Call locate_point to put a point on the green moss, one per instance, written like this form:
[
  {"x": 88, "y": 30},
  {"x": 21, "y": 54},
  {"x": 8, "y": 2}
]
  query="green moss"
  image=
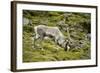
[{"x": 78, "y": 23}]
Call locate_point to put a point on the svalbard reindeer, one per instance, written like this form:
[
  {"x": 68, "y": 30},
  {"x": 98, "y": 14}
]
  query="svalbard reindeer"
[{"x": 42, "y": 31}]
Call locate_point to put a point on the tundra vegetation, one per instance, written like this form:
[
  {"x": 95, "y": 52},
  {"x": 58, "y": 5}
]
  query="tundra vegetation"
[{"x": 76, "y": 27}]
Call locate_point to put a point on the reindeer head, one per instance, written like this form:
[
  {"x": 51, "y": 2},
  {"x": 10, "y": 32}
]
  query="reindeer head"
[{"x": 67, "y": 43}]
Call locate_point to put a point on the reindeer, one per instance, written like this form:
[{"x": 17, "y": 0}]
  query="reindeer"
[{"x": 43, "y": 31}]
